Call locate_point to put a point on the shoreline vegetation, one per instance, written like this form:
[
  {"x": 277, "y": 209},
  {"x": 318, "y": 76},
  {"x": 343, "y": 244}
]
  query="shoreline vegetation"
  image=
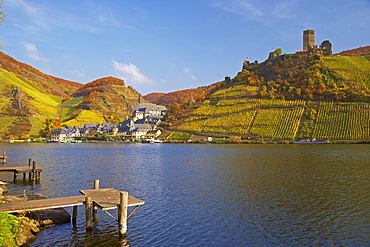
[
  {"x": 20, "y": 229},
  {"x": 17, "y": 230},
  {"x": 235, "y": 140}
]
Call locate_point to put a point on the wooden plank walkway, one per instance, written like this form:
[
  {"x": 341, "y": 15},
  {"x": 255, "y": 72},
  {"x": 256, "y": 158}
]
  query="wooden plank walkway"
[
  {"x": 107, "y": 199},
  {"x": 34, "y": 171},
  {"x": 31, "y": 205},
  {"x": 20, "y": 169}
]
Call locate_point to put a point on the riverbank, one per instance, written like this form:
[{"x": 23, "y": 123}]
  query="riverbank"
[
  {"x": 25, "y": 227},
  {"x": 17, "y": 230},
  {"x": 214, "y": 141}
]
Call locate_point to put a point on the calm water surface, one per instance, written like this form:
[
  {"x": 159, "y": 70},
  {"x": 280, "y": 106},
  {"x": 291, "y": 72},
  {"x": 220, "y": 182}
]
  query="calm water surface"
[{"x": 209, "y": 195}]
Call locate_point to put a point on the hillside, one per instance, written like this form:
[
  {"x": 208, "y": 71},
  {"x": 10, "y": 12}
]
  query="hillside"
[
  {"x": 153, "y": 97},
  {"x": 355, "y": 52},
  {"x": 103, "y": 100},
  {"x": 28, "y": 98},
  {"x": 287, "y": 98},
  {"x": 51, "y": 85},
  {"x": 180, "y": 97}
]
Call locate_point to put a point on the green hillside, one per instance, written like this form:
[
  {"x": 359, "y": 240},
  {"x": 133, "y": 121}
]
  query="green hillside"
[
  {"x": 287, "y": 98},
  {"x": 355, "y": 71},
  {"x": 29, "y": 99}
]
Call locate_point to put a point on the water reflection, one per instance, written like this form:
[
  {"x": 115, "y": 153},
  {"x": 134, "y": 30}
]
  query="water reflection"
[{"x": 210, "y": 194}]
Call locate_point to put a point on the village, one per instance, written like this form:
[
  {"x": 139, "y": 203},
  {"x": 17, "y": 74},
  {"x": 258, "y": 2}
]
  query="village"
[{"x": 141, "y": 126}]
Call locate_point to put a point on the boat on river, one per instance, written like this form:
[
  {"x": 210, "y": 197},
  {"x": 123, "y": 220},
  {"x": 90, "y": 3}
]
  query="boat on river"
[
  {"x": 312, "y": 141},
  {"x": 151, "y": 141}
]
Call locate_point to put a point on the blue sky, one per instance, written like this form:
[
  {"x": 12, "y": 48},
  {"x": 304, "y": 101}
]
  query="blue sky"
[{"x": 170, "y": 45}]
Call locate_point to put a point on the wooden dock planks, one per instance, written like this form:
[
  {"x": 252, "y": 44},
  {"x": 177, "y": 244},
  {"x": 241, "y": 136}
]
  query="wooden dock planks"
[
  {"x": 109, "y": 198},
  {"x": 61, "y": 202},
  {"x": 20, "y": 169},
  {"x": 105, "y": 198}
]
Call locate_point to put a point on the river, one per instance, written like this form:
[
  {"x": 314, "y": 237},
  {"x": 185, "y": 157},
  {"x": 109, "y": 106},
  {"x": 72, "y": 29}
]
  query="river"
[{"x": 208, "y": 195}]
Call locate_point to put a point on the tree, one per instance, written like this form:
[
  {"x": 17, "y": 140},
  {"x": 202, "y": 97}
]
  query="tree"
[
  {"x": 2, "y": 13},
  {"x": 278, "y": 52},
  {"x": 23, "y": 136},
  {"x": 47, "y": 128}
]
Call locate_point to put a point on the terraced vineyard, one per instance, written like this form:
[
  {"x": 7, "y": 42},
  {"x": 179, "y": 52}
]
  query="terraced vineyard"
[
  {"x": 235, "y": 114},
  {"x": 354, "y": 70},
  {"x": 343, "y": 121},
  {"x": 86, "y": 116}
]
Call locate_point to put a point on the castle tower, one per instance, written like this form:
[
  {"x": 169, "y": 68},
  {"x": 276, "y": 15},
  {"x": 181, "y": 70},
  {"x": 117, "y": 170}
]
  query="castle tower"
[
  {"x": 308, "y": 39},
  {"x": 326, "y": 48},
  {"x": 227, "y": 80}
]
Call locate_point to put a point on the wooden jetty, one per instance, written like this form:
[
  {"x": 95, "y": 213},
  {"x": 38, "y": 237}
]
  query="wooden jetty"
[
  {"x": 32, "y": 169},
  {"x": 105, "y": 199}
]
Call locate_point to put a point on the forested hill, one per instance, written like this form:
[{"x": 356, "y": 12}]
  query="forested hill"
[
  {"x": 52, "y": 85},
  {"x": 355, "y": 52},
  {"x": 180, "y": 97},
  {"x": 288, "y": 97},
  {"x": 103, "y": 100},
  {"x": 30, "y": 99}
]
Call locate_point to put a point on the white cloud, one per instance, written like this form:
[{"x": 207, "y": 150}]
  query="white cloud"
[
  {"x": 36, "y": 16},
  {"x": 80, "y": 73},
  {"x": 26, "y": 7},
  {"x": 33, "y": 53},
  {"x": 187, "y": 71},
  {"x": 249, "y": 8},
  {"x": 130, "y": 73},
  {"x": 257, "y": 10},
  {"x": 283, "y": 10},
  {"x": 241, "y": 7}
]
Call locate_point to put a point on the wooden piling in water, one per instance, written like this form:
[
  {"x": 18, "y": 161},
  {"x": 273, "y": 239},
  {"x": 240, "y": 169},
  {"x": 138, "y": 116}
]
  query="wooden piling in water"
[
  {"x": 74, "y": 215},
  {"x": 4, "y": 156},
  {"x": 34, "y": 170},
  {"x": 95, "y": 207},
  {"x": 96, "y": 184},
  {"x": 122, "y": 213},
  {"x": 88, "y": 212},
  {"x": 29, "y": 164}
]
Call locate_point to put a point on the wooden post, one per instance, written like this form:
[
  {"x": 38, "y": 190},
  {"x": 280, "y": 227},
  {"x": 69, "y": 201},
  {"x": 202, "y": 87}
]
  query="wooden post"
[
  {"x": 29, "y": 164},
  {"x": 4, "y": 153},
  {"x": 34, "y": 170},
  {"x": 88, "y": 212},
  {"x": 122, "y": 213},
  {"x": 74, "y": 215},
  {"x": 96, "y": 184},
  {"x": 95, "y": 207}
]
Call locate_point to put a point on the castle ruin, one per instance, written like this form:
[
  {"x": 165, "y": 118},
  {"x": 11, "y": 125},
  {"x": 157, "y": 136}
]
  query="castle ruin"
[
  {"x": 308, "y": 39},
  {"x": 309, "y": 45}
]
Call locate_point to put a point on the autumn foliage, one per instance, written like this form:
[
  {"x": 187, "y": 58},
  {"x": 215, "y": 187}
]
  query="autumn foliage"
[
  {"x": 355, "y": 52},
  {"x": 181, "y": 97},
  {"x": 99, "y": 85},
  {"x": 55, "y": 86}
]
